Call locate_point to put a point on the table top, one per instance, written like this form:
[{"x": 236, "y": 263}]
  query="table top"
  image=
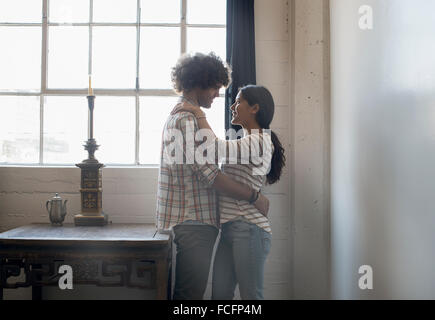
[{"x": 69, "y": 233}]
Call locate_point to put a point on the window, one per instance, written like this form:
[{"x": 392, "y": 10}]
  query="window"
[{"x": 49, "y": 49}]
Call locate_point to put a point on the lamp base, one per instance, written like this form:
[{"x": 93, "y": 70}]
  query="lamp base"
[{"x": 98, "y": 221}]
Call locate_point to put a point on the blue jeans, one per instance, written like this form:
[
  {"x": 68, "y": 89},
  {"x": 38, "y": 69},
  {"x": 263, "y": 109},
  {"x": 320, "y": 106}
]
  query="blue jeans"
[
  {"x": 240, "y": 258},
  {"x": 195, "y": 242}
]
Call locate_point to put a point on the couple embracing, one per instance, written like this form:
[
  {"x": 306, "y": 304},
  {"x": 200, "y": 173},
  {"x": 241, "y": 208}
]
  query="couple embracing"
[{"x": 196, "y": 198}]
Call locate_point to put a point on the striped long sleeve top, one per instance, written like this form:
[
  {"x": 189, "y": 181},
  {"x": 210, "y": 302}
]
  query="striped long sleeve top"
[{"x": 249, "y": 165}]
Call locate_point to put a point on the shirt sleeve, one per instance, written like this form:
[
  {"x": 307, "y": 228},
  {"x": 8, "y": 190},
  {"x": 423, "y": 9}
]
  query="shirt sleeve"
[
  {"x": 250, "y": 149},
  {"x": 188, "y": 127}
]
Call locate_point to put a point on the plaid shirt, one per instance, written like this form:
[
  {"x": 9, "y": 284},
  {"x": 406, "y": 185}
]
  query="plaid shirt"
[{"x": 184, "y": 190}]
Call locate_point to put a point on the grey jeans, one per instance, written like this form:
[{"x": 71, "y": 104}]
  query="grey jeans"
[
  {"x": 195, "y": 242},
  {"x": 240, "y": 258}
]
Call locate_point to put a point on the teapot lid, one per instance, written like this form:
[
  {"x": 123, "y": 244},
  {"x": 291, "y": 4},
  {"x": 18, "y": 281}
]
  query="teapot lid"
[{"x": 56, "y": 197}]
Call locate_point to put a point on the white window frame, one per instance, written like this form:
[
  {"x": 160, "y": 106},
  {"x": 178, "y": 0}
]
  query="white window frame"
[{"x": 137, "y": 93}]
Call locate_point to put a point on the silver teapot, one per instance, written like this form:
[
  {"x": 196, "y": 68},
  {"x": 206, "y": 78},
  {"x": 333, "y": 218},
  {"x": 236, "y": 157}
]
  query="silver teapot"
[{"x": 57, "y": 210}]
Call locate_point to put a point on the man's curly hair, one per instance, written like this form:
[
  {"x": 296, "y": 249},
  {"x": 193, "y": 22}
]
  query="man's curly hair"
[{"x": 200, "y": 70}]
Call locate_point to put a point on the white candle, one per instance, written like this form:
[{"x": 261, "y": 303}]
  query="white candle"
[{"x": 90, "y": 87}]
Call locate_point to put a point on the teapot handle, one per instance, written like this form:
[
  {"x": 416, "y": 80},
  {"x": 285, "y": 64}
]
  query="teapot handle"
[{"x": 46, "y": 205}]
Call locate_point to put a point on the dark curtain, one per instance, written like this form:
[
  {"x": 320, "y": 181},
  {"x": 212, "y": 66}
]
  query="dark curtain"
[{"x": 240, "y": 50}]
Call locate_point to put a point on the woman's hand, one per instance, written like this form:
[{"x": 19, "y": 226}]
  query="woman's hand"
[
  {"x": 262, "y": 204},
  {"x": 184, "y": 106}
]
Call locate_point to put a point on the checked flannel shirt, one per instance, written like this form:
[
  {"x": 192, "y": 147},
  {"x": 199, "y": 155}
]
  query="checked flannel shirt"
[{"x": 184, "y": 190}]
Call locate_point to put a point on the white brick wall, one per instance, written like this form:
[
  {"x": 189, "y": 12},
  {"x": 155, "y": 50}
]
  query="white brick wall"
[
  {"x": 128, "y": 194},
  {"x": 310, "y": 135},
  {"x": 272, "y": 60}
]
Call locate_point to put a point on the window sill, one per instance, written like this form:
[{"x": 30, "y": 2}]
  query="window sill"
[{"x": 142, "y": 166}]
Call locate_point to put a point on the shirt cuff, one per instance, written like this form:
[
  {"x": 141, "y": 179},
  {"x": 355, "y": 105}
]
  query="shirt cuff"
[{"x": 208, "y": 173}]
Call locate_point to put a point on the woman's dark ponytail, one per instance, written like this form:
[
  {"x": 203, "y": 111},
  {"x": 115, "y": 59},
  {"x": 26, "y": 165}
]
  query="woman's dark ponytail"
[
  {"x": 260, "y": 95},
  {"x": 278, "y": 160}
]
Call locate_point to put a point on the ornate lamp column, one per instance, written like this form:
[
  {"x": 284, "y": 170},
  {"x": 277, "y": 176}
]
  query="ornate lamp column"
[{"x": 91, "y": 179}]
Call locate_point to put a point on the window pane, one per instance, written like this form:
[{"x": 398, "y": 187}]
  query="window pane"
[
  {"x": 19, "y": 129},
  {"x": 160, "y": 11},
  {"x": 115, "y": 11},
  {"x": 206, "y": 11},
  {"x": 114, "y": 129},
  {"x": 20, "y": 58},
  {"x": 206, "y": 40},
  {"x": 114, "y": 57},
  {"x": 69, "y": 11},
  {"x": 153, "y": 114},
  {"x": 13, "y": 11},
  {"x": 68, "y": 57},
  {"x": 216, "y": 117},
  {"x": 65, "y": 129},
  {"x": 160, "y": 49}
]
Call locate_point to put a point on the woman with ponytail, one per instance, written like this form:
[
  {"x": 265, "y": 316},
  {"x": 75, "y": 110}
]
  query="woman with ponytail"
[{"x": 246, "y": 234}]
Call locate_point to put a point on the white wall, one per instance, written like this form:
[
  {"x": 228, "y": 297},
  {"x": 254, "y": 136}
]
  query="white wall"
[
  {"x": 129, "y": 193},
  {"x": 272, "y": 61},
  {"x": 292, "y": 47},
  {"x": 309, "y": 116},
  {"x": 383, "y": 149}
]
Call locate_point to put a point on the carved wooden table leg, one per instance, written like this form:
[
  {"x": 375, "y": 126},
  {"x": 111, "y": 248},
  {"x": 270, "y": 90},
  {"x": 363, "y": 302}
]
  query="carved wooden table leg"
[
  {"x": 161, "y": 279},
  {"x": 169, "y": 289},
  {"x": 36, "y": 292},
  {"x": 37, "y": 289},
  {"x": 2, "y": 278}
]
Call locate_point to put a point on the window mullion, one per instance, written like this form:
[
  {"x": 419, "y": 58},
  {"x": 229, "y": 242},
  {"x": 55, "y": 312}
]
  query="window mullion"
[
  {"x": 41, "y": 129},
  {"x": 217, "y": 26},
  {"x": 183, "y": 26},
  {"x": 44, "y": 47},
  {"x": 91, "y": 18},
  {"x": 137, "y": 133},
  {"x": 44, "y": 54},
  {"x": 137, "y": 107}
]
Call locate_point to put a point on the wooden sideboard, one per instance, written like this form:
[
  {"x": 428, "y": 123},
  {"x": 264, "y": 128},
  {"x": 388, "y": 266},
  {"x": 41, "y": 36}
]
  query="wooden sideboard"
[{"x": 131, "y": 255}]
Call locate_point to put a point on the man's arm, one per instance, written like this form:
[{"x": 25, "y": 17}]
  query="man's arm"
[
  {"x": 234, "y": 189},
  {"x": 239, "y": 191}
]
